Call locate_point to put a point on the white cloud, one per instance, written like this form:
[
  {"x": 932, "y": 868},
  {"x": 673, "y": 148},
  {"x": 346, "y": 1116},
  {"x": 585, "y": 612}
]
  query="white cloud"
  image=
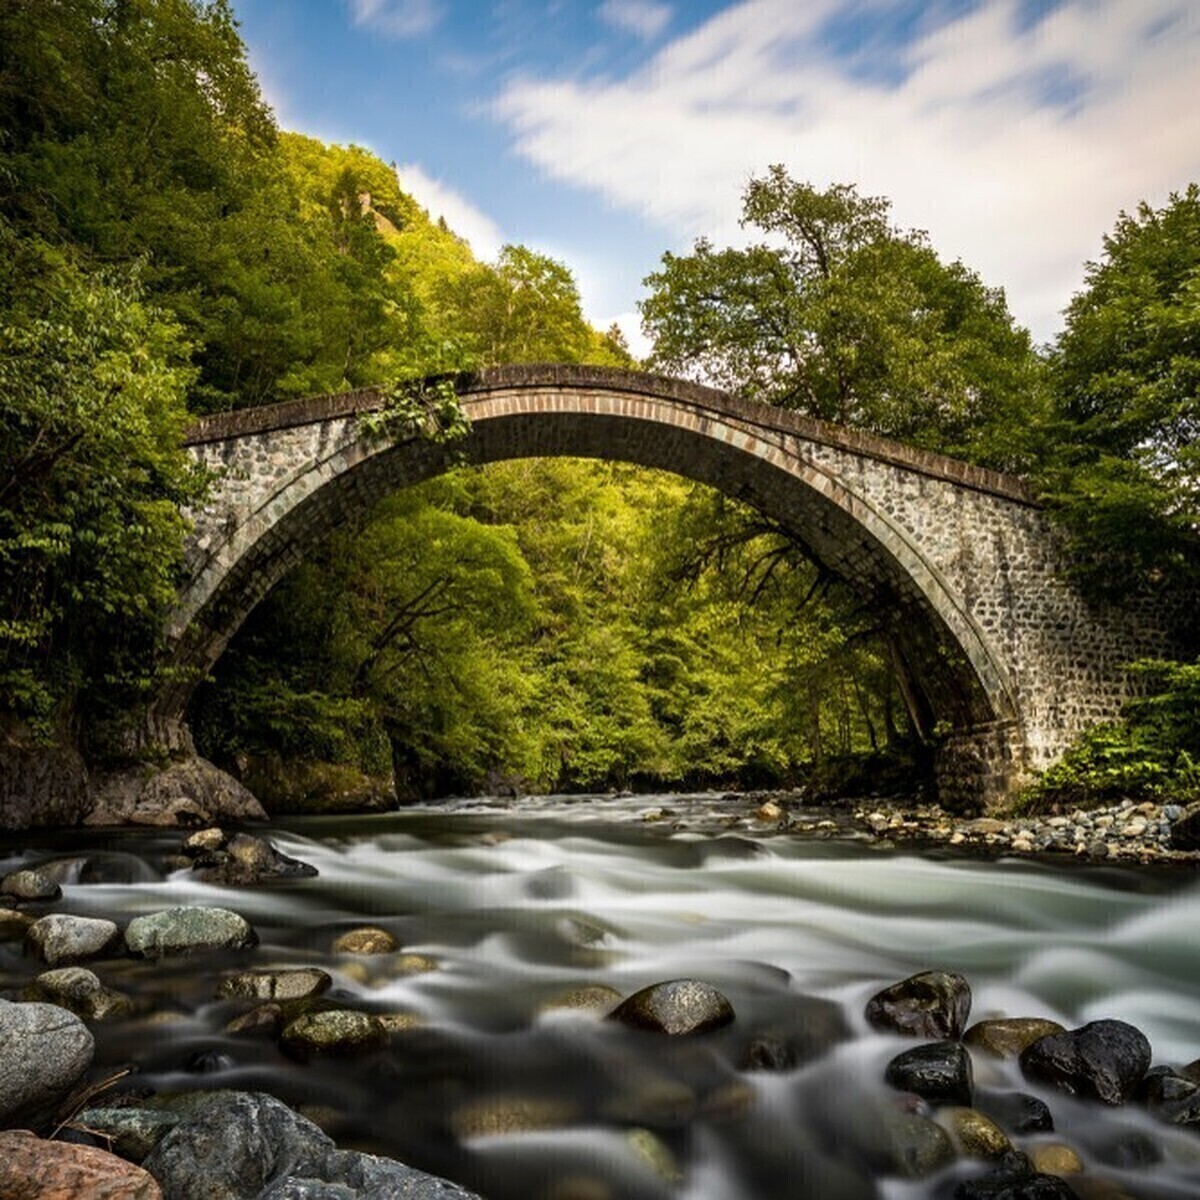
[
  {"x": 643, "y": 18},
  {"x": 1015, "y": 148},
  {"x": 630, "y": 324},
  {"x": 397, "y": 18},
  {"x": 480, "y": 231}
]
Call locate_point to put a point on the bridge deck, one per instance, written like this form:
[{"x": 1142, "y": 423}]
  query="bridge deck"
[{"x": 289, "y": 414}]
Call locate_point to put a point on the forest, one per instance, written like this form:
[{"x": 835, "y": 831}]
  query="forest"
[{"x": 166, "y": 251}]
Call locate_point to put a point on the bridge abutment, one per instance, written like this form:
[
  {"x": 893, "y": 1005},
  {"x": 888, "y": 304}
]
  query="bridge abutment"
[{"x": 979, "y": 768}]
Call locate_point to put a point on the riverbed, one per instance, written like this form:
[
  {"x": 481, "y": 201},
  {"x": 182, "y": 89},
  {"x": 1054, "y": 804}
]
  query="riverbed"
[{"x": 511, "y": 916}]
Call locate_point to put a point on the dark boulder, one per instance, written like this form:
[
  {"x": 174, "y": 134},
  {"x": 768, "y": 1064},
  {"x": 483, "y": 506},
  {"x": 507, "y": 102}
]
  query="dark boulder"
[
  {"x": 1185, "y": 830},
  {"x": 1104, "y": 1060},
  {"x": 807, "y": 1029},
  {"x": 677, "y": 1007},
  {"x": 189, "y": 792},
  {"x": 939, "y": 1072},
  {"x": 932, "y": 1004},
  {"x": 1015, "y": 1112},
  {"x": 1170, "y": 1096},
  {"x": 248, "y": 1146},
  {"x": 245, "y": 860},
  {"x": 1014, "y": 1178}
]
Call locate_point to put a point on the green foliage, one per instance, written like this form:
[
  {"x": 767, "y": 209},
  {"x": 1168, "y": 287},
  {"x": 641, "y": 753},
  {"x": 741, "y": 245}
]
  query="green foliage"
[
  {"x": 1154, "y": 751},
  {"x": 527, "y": 622},
  {"x": 429, "y": 408},
  {"x": 1125, "y": 475},
  {"x": 844, "y": 317},
  {"x": 525, "y": 309},
  {"x": 92, "y": 384}
]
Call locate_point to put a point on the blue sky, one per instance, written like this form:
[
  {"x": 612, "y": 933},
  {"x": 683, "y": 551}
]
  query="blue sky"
[{"x": 607, "y": 131}]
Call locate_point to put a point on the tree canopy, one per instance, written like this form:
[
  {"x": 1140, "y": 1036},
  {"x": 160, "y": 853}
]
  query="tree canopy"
[
  {"x": 843, "y": 316},
  {"x": 1125, "y": 469}
]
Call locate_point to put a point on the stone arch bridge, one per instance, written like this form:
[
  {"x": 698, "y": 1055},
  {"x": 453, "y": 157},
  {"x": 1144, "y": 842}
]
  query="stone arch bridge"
[{"x": 1003, "y": 662}]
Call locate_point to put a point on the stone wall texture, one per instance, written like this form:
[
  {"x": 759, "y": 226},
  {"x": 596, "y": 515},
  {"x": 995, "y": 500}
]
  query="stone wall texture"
[{"x": 1005, "y": 662}]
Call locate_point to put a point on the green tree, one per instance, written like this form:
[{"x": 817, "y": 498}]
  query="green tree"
[
  {"x": 92, "y": 479},
  {"x": 134, "y": 129},
  {"x": 525, "y": 309},
  {"x": 849, "y": 319},
  {"x": 1126, "y": 374}
]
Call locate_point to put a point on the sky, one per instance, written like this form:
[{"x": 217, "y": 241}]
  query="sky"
[{"x": 606, "y": 132}]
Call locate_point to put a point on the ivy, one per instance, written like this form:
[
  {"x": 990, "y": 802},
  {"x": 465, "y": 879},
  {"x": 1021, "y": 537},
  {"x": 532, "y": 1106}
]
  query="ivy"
[{"x": 424, "y": 408}]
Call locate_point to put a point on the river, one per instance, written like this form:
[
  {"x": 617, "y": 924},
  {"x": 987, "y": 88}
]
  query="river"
[{"x": 515, "y": 903}]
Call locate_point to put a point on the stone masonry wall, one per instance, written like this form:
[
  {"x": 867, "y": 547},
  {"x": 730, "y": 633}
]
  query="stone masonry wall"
[{"x": 960, "y": 552}]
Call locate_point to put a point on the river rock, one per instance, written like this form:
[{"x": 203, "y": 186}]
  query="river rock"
[
  {"x": 1170, "y": 1096},
  {"x": 640, "y": 1094},
  {"x": 939, "y": 1072},
  {"x": 246, "y": 860},
  {"x": 61, "y": 938},
  {"x": 512, "y": 1114},
  {"x": 1185, "y": 829},
  {"x": 1103, "y": 1060},
  {"x": 134, "y": 1132},
  {"x": 931, "y": 1004},
  {"x": 974, "y": 1134},
  {"x": 1007, "y": 1037},
  {"x": 30, "y": 884},
  {"x": 677, "y": 1007},
  {"x": 367, "y": 939},
  {"x": 1056, "y": 1158},
  {"x": 186, "y": 930},
  {"x": 44, "y": 1053},
  {"x": 895, "y": 1141},
  {"x": 597, "y": 998},
  {"x": 654, "y": 1154},
  {"x": 400, "y": 1022},
  {"x": 811, "y": 1027},
  {"x": 292, "y": 983},
  {"x": 34, "y": 1169},
  {"x": 248, "y": 1146},
  {"x": 14, "y": 925},
  {"x": 1015, "y": 1178},
  {"x": 1016, "y": 1112},
  {"x": 80, "y": 991},
  {"x": 266, "y": 1020},
  {"x": 335, "y": 1031},
  {"x": 189, "y": 792}
]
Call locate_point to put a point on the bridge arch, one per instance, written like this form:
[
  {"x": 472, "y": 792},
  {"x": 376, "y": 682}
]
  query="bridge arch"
[{"x": 941, "y": 546}]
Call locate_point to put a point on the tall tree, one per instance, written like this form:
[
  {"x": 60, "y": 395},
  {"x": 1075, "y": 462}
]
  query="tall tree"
[
  {"x": 1126, "y": 373},
  {"x": 92, "y": 478},
  {"x": 841, "y": 315},
  {"x": 525, "y": 309}
]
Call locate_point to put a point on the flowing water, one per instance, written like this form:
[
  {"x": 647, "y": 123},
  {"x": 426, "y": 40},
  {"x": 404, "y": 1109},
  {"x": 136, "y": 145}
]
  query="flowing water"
[{"x": 519, "y": 902}]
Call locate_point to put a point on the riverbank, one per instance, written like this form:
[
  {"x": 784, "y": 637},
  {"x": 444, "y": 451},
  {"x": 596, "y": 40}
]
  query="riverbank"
[
  {"x": 441, "y": 988},
  {"x": 1128, "y": 832}
]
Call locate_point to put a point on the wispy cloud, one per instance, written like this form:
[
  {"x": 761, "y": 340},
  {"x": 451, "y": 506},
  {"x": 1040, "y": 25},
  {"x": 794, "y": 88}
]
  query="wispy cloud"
[
  {"x": 476, "y": 227},
  {"x": 643, "y": 18},
  {"x": 1014, "y": 143},
  {"x": 397, "y": 18}
]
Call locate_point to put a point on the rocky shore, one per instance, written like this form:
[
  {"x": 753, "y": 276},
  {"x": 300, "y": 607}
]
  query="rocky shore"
[
  {"x": 1129, "y": 832},
  {"x": 965, "y": 1111}
]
